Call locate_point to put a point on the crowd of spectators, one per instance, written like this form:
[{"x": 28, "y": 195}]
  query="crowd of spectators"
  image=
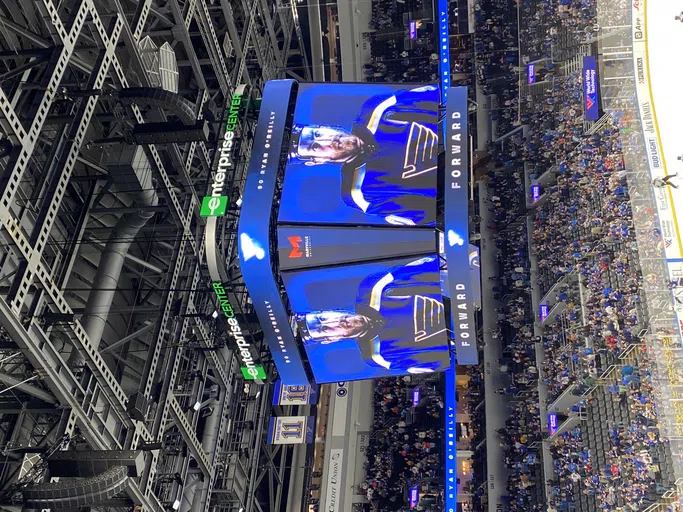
[
  {"x": 628, "y": 476},
  {"x": 406, "y": 442},
  {"x": 391, "y": 58}
]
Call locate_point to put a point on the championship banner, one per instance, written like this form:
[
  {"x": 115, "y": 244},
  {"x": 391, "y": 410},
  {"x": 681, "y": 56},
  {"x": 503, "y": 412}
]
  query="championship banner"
[
  {"x": 294, "y": 395},
  {"x": 254, "y": 231},
  {"x": 291, "y": 429}
]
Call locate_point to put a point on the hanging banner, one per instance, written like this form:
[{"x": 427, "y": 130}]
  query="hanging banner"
[
  {"x": 291, "y": 429},
  {"x": 294, "y": 395}
]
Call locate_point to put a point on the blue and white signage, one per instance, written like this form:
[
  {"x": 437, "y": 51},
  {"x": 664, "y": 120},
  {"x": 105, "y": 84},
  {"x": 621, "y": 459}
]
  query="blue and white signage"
[
  {"x": 254, "y": 232},
  {"x": 552, "y": 423},
  {"x": 531, "y": 73},
  {"x": 450, "y": 438},
  {"x": 412, "y": 29},
  {"x": 590, "y": 88},
  {"x": 535, "y": 193},
  {"x": 416, "y": 396},
  {"x": 456, "y": 221},
  {"x": 294, "y": 395},
  {"x": 414, "y": 496},
  {"x": 543, "y": 312},
  {"x": 444, "y": 50}
]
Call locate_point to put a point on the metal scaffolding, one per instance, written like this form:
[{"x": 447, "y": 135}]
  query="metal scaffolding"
[{"x": 89, "y": 196}]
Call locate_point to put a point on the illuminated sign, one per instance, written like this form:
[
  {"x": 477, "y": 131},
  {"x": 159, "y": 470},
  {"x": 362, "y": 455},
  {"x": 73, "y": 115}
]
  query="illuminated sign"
[
  {"x": 535, "y": 193},
  {"x": 250, "y": 369},
  {"x": 552, "y": 423},
  {"x": 412, "y": 30},
  {"x": 414, "y": 496},
  {"x": 444, "y": 49},
  {"x": 456, "y": 204},
  {"x": 450, "y": 438},
  {"x": 543, "y": 312},
  {"x": 416, "y": 395},
  {"x": 590, "y": 88},
  {"x": 254, "y": 231},
  {"x": 215, "y": 203},
  {"x": 531, "y": 73}
]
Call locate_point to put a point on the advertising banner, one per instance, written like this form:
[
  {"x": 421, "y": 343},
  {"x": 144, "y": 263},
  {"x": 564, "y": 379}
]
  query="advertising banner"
[
  {"x": 239, "y": 335},
  {"x": 384, "y": 318},
  {"x": 314, "y": 246},
  {"x": 412, "y": 29},
  {"x": 590, "y": 88},
  {"x": 334, "y": 477},
  {"x": 531, "y": 73},
  {"x": 294, "y": 395},
  {"x": 253, "y": 231},
  {"x": 656, "y": 30},
  {"x": 291, "y": 429},
  {"x": 415, "y": 396},
  {"x": 414, "y": 496},
  {"x": 363, "y": 154},
  {"x": 450, "y": 442},
  {"x": 552, "y": 423},
  {"x": 456, "y": 226}
]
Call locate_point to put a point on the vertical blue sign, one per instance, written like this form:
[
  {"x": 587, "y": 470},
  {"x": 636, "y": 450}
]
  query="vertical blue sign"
[
  {"x": 414, "y": 496},
  {"x": 456, "y": 226},
  {"x": 552, "y": 423},
  {"x": 451, "y": 460},
  {"x": 590, "y": 88},
  {"x": 412, "y": 29},
  {"x": 535, "y": 193},
  {"x": 416, "y": 396},
  {"x": 531, "y": 73},
  {"x": 444, "y": 50},
  {"x": 254, "y": 232},
  {"x": 543, "y": 312}
]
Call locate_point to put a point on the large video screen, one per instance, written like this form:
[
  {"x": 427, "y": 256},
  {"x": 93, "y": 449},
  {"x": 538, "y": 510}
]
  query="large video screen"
[
  {"x": 382, "y": 318},
  {"x": 363, "y": 154}
]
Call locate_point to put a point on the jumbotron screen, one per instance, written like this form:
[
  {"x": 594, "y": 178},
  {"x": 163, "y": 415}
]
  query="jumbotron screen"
[
  {"x": 359, "y": 251},
  {"x": 363, "y": 154}
]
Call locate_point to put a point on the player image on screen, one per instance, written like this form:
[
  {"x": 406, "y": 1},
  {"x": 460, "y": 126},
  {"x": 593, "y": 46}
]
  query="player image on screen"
[
  {"x": 387, "y": 158},
  {"x": 398, "y": 321}
]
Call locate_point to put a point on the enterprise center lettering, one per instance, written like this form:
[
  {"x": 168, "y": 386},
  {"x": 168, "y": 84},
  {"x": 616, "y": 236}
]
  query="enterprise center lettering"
[
  {"x": 225, "y": 158},
  {"x": 236, "y": 330}
]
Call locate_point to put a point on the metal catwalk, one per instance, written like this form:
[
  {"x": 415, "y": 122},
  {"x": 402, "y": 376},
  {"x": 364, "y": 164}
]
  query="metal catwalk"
[{"x": 109, "y": 345}]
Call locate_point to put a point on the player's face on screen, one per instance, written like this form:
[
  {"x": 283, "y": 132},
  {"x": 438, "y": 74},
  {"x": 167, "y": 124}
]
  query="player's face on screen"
[
  {"x": 331, "y": 326},
  {"x": 320, "y": 144}
]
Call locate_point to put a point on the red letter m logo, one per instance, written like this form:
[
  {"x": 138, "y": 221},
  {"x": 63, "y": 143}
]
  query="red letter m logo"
[{"x": 295, "y": 252}]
